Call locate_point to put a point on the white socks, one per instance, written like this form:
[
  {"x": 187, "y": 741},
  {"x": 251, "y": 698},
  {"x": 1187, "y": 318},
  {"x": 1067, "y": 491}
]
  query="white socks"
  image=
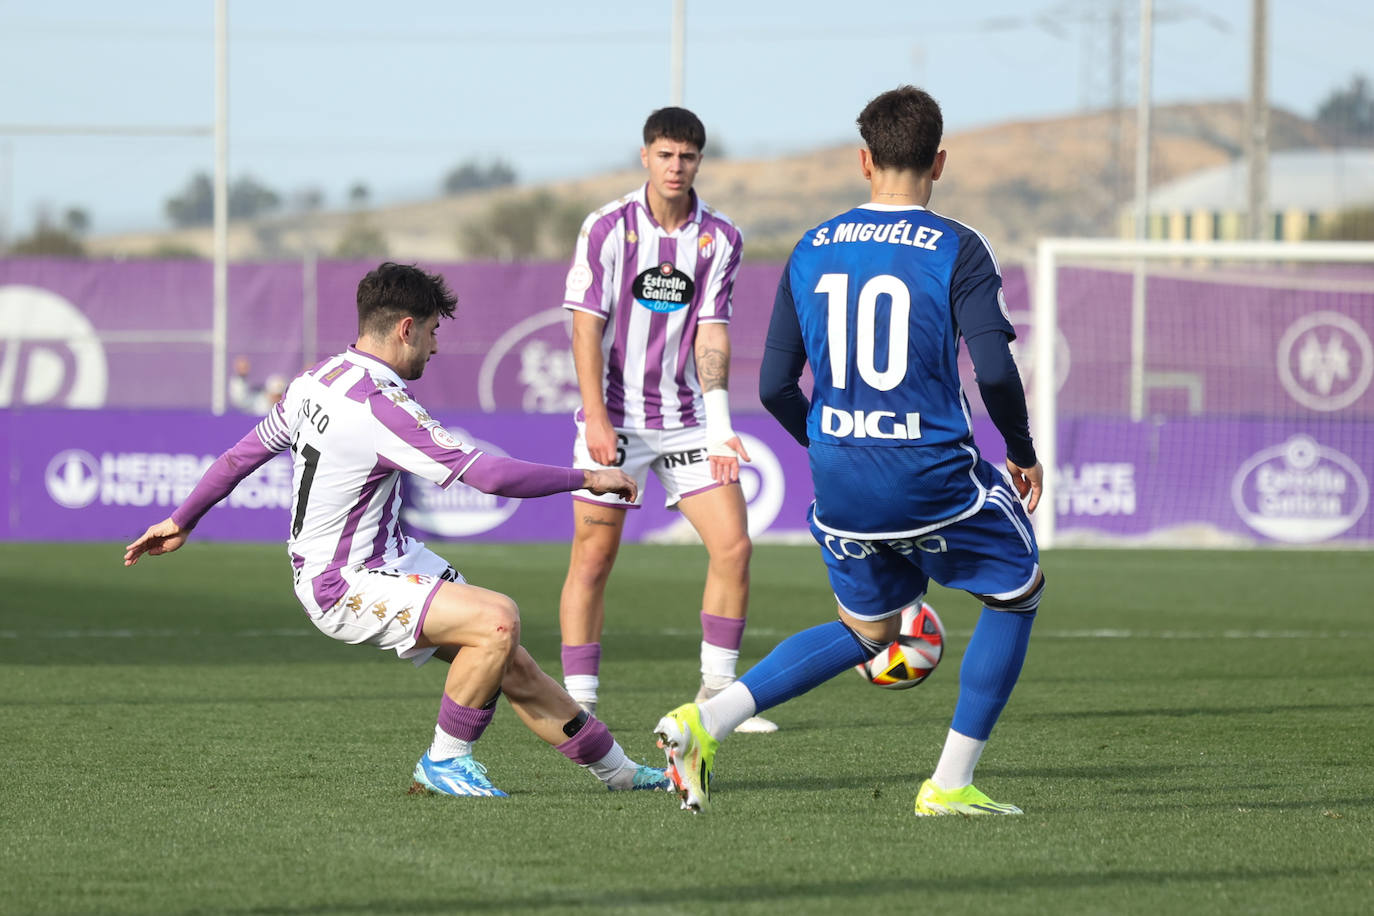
[
  {"x": 582, "y": 687},
  {"x": 960, "y": 756},
  {"x": 717, "y": 665},
  {"x": 446, "y": 747},
  {"x": 722, "y": 713},
  {"x": 616, "y": 769}
]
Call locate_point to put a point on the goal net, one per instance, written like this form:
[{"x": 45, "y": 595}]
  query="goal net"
[{"x": 1196, "y": 394}]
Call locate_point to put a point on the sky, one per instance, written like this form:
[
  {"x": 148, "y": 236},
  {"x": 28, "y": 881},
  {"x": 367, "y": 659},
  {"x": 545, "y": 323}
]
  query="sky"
[{"x": 327, "y": 93}]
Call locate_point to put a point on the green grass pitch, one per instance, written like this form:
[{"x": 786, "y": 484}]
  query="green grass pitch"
[{"x": 1193, "y": 733}]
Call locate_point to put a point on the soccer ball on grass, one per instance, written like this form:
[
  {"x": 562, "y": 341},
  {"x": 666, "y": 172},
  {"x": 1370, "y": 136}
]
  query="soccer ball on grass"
[{"x": 912, "y": 656}]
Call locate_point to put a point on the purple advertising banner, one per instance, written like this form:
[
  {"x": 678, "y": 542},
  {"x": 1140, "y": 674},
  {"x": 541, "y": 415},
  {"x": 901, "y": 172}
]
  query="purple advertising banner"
[
  {"x": 136, "y": 334},
  {"x": 1258, "y": 396},
  {"x": 107, "y": 475}
]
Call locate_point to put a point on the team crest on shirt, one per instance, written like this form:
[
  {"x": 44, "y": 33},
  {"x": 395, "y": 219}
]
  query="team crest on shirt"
[
  {"x": 579, "y": 278},
  {"x": 442, "y": 437},
  {"x": 663, "y": 288},
  {"x": 706, "y": 245},
  {"x": 632, "y": 236}
]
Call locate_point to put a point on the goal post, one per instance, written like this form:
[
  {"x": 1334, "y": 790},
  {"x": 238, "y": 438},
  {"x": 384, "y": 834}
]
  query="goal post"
[{"x": 1203, "y": 393}]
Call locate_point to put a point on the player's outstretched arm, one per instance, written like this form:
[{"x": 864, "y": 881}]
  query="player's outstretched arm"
[
  {"x": 164, "y": 537},
  {"x": 1028, "y": 482},
  {"x": 611, "y": 480}
]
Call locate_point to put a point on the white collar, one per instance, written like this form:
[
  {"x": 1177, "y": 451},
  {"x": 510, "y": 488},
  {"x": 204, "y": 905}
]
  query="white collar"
[{"x": 380, "y": 366}]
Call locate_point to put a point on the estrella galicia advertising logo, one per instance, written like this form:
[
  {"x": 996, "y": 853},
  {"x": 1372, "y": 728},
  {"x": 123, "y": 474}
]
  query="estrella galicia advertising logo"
[
  {"x": 460, "y": 510},
  {"x": 663, "y": 288},
  {"x": 530, "y": 367},
  {"x": 1300, "y": 492}
]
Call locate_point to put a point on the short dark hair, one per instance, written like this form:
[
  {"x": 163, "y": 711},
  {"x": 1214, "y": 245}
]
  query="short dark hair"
[
  {"x": 393, "y": 291},
  {"x": 675, "y": 124},
  {"x": 902, "y": 128}
]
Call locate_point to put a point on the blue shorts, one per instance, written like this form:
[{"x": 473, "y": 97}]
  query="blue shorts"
[{"x": 991, "y": 554}]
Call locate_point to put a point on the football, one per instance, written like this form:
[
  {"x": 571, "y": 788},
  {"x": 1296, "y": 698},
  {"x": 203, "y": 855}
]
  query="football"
[{"x": 912, "y": 656}]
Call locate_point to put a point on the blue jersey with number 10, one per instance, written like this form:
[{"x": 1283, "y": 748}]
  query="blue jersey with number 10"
[{"x": 882, "y": 295}]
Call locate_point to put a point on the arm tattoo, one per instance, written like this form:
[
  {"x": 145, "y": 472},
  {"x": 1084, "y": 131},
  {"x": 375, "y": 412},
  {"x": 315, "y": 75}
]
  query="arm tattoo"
[{"x": 713, "y": 368}]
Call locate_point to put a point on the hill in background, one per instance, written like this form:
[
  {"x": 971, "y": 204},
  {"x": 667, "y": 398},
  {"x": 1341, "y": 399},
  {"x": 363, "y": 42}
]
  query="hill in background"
[{"x": 1015, "y": 182}]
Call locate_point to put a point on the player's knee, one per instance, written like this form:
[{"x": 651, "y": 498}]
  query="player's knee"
[
  {"x": 734, "y": 555},
  {"x": 872, "y": 637},
  {"x": 591, "y": 567},
  {"x": 593, "y": 553},
  {"x": 499, "y": 625},
  {"x": 1028, "y": 602}
]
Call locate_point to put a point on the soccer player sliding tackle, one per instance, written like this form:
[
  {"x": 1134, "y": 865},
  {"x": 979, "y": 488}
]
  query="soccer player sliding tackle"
[
  {"x": 876, "y": 301},
  {"x": 352, "y": 428}
]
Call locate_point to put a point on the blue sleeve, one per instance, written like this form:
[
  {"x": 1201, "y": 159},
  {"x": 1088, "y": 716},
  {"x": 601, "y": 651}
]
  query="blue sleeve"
[
  {"x": 1000, "y": 386},
  {"x": 784, "y": 357},
  {"x": 975, "y": 289}
]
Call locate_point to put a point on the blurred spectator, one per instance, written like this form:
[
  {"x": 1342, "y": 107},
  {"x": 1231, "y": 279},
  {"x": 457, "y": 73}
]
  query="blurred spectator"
[{"x": 249, "y": 398}]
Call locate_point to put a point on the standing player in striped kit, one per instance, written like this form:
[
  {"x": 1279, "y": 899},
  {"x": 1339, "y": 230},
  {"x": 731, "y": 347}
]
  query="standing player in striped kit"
[
  {"x": 352, "y": 429},
  {"x": 650, "y": 291}
]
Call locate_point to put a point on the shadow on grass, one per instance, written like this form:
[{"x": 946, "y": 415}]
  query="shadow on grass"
[{"x": 802, "y": 892}]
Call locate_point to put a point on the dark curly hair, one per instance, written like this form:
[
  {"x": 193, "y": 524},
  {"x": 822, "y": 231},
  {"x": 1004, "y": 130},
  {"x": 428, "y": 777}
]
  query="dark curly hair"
[
  {"x": 675, "y": 124},
  {"x": 393, "y": 291},
  {"x": 902, "y": 128}
]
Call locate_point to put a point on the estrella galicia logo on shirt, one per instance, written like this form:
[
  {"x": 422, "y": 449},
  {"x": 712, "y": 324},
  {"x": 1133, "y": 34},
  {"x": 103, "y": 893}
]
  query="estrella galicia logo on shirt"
[{"x": 663, "y": 288}]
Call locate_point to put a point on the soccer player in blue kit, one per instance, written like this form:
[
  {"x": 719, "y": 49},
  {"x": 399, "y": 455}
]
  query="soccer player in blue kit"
[{"x": 876, "y": 300}]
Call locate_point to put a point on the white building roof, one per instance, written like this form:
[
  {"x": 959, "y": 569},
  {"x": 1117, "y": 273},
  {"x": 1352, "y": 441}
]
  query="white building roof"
[{"x": 1309, "y": 180}]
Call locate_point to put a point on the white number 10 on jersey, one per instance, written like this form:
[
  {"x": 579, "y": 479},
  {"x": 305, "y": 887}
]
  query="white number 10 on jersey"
[{"x": 836, "y": 288}]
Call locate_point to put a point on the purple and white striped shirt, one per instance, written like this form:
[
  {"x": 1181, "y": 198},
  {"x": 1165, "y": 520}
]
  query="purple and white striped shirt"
[
  {"x": 653, "y": 288},
  {"x": 353, "y": 428}
]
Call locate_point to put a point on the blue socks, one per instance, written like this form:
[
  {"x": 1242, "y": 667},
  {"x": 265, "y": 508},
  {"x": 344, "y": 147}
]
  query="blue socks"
[
  {"x": 992, "y": 663},
  {"x": 803, "y": 660}
]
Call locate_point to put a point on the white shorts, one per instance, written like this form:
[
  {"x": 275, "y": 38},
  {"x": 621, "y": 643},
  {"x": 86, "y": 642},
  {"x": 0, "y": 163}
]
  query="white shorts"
[
  {"x": 676, "y": 456},
  {"x": 386, "y": 607}
]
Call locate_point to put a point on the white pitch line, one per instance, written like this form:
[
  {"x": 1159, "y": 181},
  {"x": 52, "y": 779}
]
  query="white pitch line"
[
  {"x": 764, "y": 632},
  {"x": 758, "y": 633},
  {"x": 164, "y": 633}
]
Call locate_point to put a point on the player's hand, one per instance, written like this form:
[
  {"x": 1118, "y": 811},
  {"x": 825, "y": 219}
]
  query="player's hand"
[
  {"x": 601, "y": 442},
  {"x": 164, "y": 537},
  {"x": 725, "y": 458},
  {"x": 610, "y": 480},
  {"x": 1027, "y": 481}
]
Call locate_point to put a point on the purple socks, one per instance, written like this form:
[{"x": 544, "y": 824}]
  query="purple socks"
[
  {"x": 725, "y": 632},
  {"x": 463, "y": 722},
  {"x": 581, "y": 659},
  {"x": 589, "y": 745}
]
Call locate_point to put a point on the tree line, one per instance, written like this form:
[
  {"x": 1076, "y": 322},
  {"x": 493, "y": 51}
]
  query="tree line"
[{"x": 539, "y": 224}]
